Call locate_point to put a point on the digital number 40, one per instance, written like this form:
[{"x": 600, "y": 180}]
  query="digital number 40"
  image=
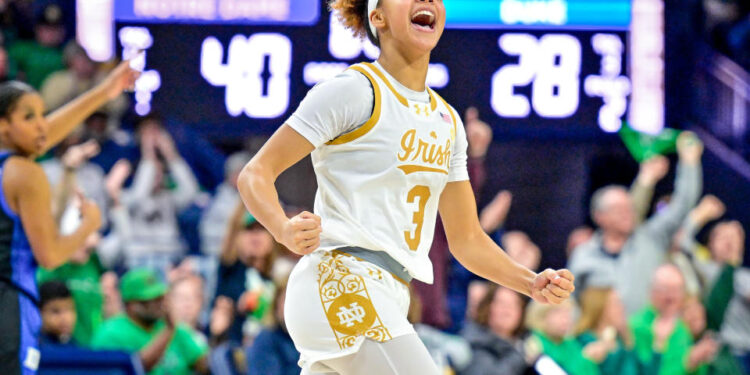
[{"x": 247, "y": 90}]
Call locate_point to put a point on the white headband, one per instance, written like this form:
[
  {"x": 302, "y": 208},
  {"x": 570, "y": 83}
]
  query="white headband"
[{"x": 371, "y": 5}]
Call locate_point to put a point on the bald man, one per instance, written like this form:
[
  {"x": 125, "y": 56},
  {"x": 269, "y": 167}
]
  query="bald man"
[
  {"x": 668, "y": 291},
  {"x": 662, "y": 339}
]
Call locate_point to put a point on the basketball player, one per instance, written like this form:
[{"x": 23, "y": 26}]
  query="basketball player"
[
  {"x": 388, "y": 153},
  {"x": 28, "y": 232}
]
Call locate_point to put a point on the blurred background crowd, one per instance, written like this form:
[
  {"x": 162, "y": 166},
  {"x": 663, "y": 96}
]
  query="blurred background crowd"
[{"x": 183, "y": 280}]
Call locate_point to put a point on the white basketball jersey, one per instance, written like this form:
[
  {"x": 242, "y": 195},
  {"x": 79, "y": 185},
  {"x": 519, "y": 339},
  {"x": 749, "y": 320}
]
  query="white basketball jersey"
[{"x": 379, "y": 185}]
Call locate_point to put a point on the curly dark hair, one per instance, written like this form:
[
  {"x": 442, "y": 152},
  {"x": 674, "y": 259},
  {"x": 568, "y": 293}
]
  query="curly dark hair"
[{"x": 353, "y": 14}]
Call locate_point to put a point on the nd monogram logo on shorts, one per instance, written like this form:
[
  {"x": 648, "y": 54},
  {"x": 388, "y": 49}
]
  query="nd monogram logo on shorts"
[
  {"x": 351, "y": 314},
  {"x": 355, "y": 313},
  {"x": 347, "y": 303}
]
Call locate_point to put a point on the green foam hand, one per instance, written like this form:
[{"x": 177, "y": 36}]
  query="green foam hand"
[{"x": 644, "y": 146}]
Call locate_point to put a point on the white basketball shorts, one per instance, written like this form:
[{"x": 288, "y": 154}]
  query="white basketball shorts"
[{"x": 335, "y": 301}]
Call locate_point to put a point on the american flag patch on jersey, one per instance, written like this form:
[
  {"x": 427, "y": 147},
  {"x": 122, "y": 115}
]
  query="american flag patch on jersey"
[{"x": 446, "y": 118}]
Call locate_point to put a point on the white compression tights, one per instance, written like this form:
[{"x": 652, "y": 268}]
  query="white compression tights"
[{"x": 404, "y": 355}]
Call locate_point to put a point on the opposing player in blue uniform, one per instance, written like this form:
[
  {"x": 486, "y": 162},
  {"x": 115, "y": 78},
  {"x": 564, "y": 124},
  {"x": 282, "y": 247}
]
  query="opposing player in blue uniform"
[{"x": 28, "y": 233}]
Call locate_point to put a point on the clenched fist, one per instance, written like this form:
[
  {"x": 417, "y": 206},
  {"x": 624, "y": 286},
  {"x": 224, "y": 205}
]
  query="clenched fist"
[
  {"x": 552, "y": 286},
  {"x": 301, "y": 234}
]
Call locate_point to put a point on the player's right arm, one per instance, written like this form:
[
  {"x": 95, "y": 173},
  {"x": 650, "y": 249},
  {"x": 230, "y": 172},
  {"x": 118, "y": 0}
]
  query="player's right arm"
[
  {"x": 301, "y": 234},
  {"x": 331, "y": 108},
  {"x": 28, "y": 193}
]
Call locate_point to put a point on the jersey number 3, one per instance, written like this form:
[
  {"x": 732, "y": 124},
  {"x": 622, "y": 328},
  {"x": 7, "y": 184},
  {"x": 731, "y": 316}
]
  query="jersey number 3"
[{"x": 423, "y": 193}]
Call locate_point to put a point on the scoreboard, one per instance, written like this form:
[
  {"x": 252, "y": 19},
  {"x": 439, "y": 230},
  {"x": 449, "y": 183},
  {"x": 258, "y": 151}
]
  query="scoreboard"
[{"x": 230, "y": 68}]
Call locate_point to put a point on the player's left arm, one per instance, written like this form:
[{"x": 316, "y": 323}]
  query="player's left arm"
[
  {"x": 64, "y": 120},
  {"x": 480, "y": 255}
]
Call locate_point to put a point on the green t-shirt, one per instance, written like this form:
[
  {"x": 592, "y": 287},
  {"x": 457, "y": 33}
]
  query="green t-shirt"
[
  {"x": 676, "y": 350},
  {"x": 620, "y": 361},
  {"x": 121, "y": 333},
  {"x": 83, "y": 282},
  {"x": 35, "y": 60},
  {"x": 568, "y": 354}
]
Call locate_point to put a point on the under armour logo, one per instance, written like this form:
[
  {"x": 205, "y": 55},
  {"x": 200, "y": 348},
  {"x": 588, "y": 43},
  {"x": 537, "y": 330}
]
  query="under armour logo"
[
  {"x": 349, "y": 316},
  {"x": 376, "y": 274},
  {"x": 422, "y": 109}
]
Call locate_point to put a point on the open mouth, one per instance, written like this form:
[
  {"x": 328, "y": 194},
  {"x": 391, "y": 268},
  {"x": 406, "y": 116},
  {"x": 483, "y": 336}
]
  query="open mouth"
[{"x": 424, "y": 20}]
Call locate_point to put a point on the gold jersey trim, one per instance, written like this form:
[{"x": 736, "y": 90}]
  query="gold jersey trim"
[
  {"x": 367, "y": 126},
  {"x": 401, "y": 98},
  {"x": 380, "y": 75}
]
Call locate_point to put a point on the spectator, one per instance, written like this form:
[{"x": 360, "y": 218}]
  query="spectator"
[
  {"x": 213, "y": 224},
  {"x": 727, "y": 246},
  {"x": 553, "y": 331},
  {"x": 703, "y": 325},
  {"x": 651, "y": 171},
  {"x": 694, "y": 315},
  {"x": 82, "y": 274},
  {"x": 577, "y": 237},
  {"x": 37, "y": 59},
  {"x": 450, "y": 352},
  {"x": 70, "y": 165},
  {"x": 684, "y": 248},
  {"x": 273, "y": 352},
  {"x": 80, "y": 75},
  {"x": 112, "y": 300},
  {"x": 227, "y": 356},
  {"x": 116, "y": 144},
  {"x": 476, "y": 292},
  {"x": 603, "y": 332},
  {"x": 203, "y": 157},
  {"x": 496, "y": 335},
  {"x": 200, "y": 272},
  {"x": 624, "y": 255},
  {"x": 58, "y": 314},
  {"x": 245, "y": 276},
  {"x": 662, "y": 340},
  {"x": 146, "y": 328},
  {"x": 186, "y": 301},
  {"x": 520, "y": 248},
  {"x": 492, "y": 218},
  {"x": 154, "y": 238},
  {"x": 110, "y": 251},
  {"x": 708, "y": 209}
]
